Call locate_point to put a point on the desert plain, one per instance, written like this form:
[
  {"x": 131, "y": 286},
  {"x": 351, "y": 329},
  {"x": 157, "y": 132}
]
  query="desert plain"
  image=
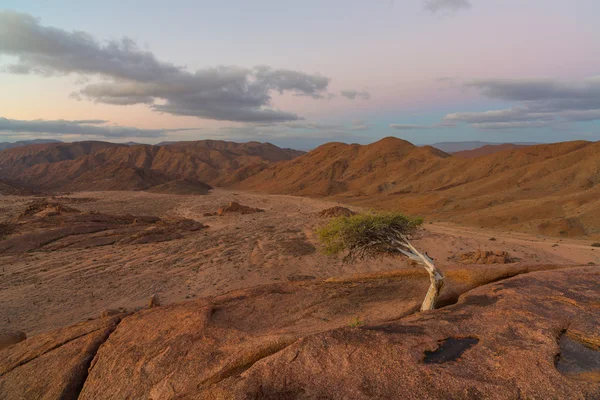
[{"x": 65, "y": 281}]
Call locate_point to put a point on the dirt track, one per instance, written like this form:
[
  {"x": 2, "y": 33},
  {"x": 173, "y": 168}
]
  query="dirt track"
[{"x": 45, "y": 290}]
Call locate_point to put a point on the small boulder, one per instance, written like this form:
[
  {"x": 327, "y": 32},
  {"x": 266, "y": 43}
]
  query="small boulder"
[
  {"x": 109, "y": 313},
  {"x": 154, "y": 301},
  {"x": 8, "y": 338},
  {"x": 485, "y": 257},
  {"x": 336, "y": 211},
  {"x": 235, "y": 207}
]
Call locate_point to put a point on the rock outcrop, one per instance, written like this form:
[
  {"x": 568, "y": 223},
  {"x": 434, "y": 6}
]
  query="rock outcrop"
[
  {"x": 485, "y": 257},
  {"x": 235, "y": 208},
  {"x": 53, "y": 365},
  {"x": 336, "y": 211},
  {"x": 8, "y": 338},
  {"x": 50, "y": 225},
  {"x": 302, "y": 340}
]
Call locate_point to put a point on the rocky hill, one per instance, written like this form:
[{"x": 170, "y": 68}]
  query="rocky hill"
[
  {"x": 107, "y": 166},
  {"x": 549, "y": 189}
]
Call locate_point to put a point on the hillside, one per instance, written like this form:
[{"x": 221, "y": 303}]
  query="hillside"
[
  {"x": 108, "y": 166},
  {"x": 11, "y": 188},
  {"x": 487, "y": 150},
  {"x": 550, "y": 189},
  {"x": 337, "y": 168}
]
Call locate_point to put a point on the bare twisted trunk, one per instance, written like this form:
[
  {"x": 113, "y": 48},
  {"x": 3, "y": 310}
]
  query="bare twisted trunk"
[
  {"x": 436, "y": 277},
  {"x": 437, "y": 283}
]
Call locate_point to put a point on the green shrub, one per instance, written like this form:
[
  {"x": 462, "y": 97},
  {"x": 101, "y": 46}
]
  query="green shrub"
[
  {"x": 366, "y": 234},
  {"x": 597, "y": 244}
]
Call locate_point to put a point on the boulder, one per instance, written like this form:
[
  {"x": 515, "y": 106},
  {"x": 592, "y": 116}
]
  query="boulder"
[
  {"x": 52, "y": 365},
  {"x": 8, "y": 338},
  {"x": 235, "y": 207},
  {"x": 485, "y": 257},
  {"x": 154, "y": 301},
  {"x": 336, "y": 211}
]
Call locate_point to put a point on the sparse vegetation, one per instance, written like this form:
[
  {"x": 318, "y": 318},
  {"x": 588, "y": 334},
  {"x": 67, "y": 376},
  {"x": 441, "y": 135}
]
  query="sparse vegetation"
[
  {"x": 365, "y": 235},
  {"x": 492, "y": 239},
  {"x": 375, "y": 234},
  {"x": 356, "y": 322},
  {"x": 597, "y": 244}
]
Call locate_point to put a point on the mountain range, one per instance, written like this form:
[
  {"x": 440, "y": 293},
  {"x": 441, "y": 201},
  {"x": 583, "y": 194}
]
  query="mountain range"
[{"x": 551, "y": 189}]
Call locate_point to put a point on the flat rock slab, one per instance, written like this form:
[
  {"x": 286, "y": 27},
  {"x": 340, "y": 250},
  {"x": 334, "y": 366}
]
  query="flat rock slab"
[
  {"x": 518, "y": 324},
  {"x": 294, "y": 341},
  {"x": 52, "y": 365}
]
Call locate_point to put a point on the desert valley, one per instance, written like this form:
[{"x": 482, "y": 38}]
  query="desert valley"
[
  {"x": 222, "y": 236},
  {"x": 320, "y": 200}
]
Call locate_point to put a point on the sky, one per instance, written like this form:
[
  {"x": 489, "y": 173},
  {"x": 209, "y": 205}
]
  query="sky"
[{"x": 300, "y": 73}]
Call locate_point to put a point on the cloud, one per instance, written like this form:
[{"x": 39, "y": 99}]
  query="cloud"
[
  {"x": 540, "y": 103},
  {"x": 80, "y": 127},
  {"x": 511, "y": 125},
  {"x": 129, "y": 75},
  {"x": 408, "y": 127},
  {"x": 353, "y": 94},
  {"x": 359, "y": 125},
  {"x": 494, "y": 116},
  {"x": 434, "y": 6},
  {"x": 311, "y": 125}
]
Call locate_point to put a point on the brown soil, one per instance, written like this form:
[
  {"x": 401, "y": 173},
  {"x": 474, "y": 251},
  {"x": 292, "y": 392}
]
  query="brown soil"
[
  {"x": 182, "y": 187},
  {"x": 72, "y": 277}
]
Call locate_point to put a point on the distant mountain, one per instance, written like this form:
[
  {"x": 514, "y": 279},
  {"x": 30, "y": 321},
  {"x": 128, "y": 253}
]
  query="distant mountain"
[
  {"x": 453, "y": 147},
  {"x": 82, "y": 166},
  {"x": 10, "y": 145},
  {"x": 487, "y": 150}
]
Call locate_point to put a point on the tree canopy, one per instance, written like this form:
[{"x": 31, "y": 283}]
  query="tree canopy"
[{"x": 367, "y": 235}]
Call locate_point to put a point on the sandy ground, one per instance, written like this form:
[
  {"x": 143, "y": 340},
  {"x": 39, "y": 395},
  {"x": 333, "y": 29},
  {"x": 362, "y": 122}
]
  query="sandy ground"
[{"x": 40, "y": 291}]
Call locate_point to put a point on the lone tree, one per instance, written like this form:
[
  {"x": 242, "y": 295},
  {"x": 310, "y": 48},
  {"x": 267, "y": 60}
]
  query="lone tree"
[{"x": 370, "y": 235}]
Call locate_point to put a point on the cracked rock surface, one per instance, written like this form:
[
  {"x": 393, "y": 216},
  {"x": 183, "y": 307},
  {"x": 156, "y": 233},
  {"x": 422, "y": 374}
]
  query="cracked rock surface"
[{"x": 293, "y": 341}]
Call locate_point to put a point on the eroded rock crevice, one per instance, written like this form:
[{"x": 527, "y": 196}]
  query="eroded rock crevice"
[{"x": 578, "y": 359}]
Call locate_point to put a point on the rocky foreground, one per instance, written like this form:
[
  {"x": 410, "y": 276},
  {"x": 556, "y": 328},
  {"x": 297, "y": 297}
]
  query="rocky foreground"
[{"x": 535, "y": 335}]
